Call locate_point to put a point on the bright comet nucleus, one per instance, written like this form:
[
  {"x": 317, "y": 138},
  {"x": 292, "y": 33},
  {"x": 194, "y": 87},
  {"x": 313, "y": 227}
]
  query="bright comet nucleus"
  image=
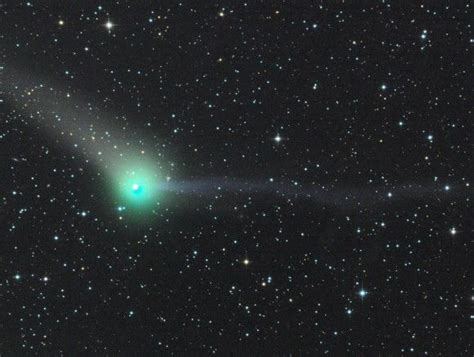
[{"x": 137, "y": 183}]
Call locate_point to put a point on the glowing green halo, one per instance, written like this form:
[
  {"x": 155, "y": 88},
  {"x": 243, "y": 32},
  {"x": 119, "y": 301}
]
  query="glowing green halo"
[{"x": 136, "y": 182}]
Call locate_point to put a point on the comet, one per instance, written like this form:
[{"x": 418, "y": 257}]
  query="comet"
[{"x": 139, "y": 180}]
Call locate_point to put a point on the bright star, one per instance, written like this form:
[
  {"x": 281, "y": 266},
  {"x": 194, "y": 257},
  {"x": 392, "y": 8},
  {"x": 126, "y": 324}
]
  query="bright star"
[
  {"x": 277, "y": 138},
  {"x": 108, "y": 25},
  {"x": 362, "y": 293}
]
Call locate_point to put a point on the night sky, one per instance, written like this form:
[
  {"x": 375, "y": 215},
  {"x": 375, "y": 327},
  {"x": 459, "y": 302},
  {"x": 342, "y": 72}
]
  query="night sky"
[{"x": 306, "y": 178}]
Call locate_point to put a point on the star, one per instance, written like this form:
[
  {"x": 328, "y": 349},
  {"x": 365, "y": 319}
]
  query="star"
[
  {"x": 362, "y": 293},
  {"x": 453, "y": 231},
  {"x": 277, "y": 138},
  {"x": 108, "y": 25}
]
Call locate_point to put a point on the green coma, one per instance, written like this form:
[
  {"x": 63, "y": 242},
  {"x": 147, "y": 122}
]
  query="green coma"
[{"x": 136, "y": 183}]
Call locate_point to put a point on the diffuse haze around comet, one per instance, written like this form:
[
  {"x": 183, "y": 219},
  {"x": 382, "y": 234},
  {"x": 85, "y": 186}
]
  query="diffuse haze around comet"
[
  {"x": 140, "y": 179},
  {"x": 131, "y": 165}
]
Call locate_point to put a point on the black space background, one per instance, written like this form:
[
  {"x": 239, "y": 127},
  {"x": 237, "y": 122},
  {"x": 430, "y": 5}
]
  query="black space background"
[{"x": 346, "y": 133}]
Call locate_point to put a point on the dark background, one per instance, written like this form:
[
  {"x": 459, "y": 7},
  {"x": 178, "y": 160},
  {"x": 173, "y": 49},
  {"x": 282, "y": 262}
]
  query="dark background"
[{"x": 213, "y": 92}]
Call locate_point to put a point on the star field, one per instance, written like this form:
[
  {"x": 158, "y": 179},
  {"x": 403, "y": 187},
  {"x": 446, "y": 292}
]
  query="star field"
[{"x": 246, "y": 178}]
